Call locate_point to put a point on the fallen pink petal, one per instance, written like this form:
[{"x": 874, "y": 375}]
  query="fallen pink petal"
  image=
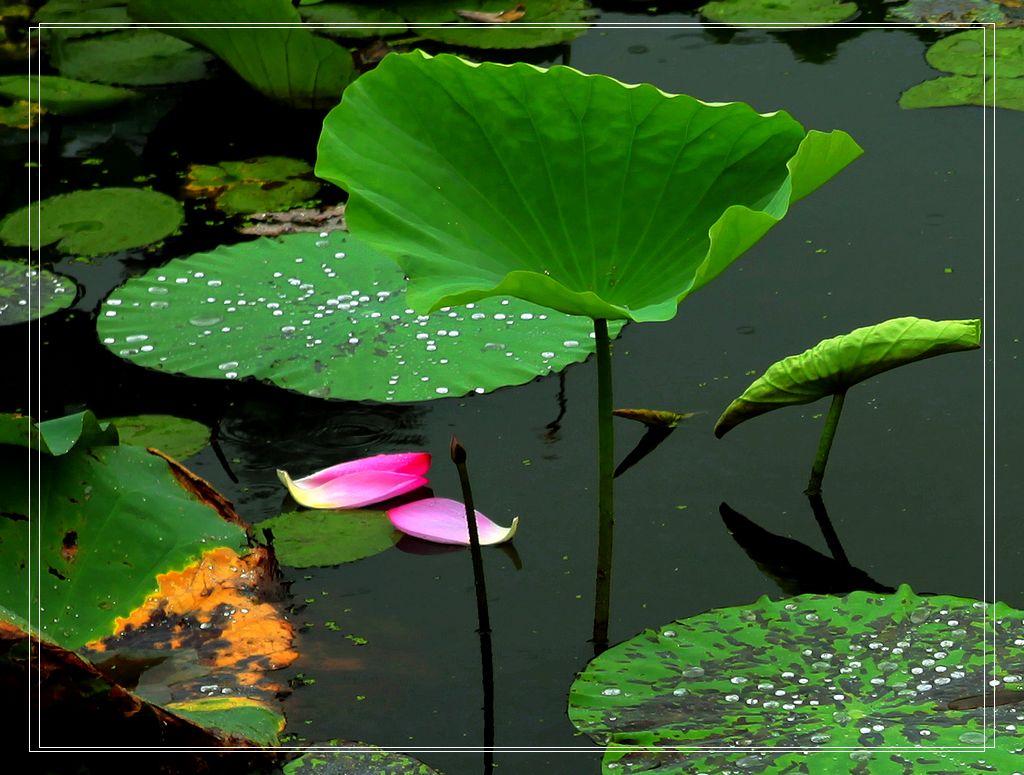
[
  {"x": 358, "y": 483},
  {"x": 443, "y": 521}
]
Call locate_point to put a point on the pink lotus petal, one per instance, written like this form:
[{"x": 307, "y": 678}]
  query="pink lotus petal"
[
  {"x": 350, "y": 491},
  {"x": 443, "y": 521},
  {"x": 401, "y": 463}
]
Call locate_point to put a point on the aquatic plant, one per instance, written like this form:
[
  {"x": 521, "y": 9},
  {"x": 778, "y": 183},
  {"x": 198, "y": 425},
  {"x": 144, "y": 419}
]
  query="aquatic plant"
[
  {"x": 357, "y": 483},
  {"x": 573, "y": 191},
  {"x": 833, "y": 366},
  {"x": 29, "y": 293}
]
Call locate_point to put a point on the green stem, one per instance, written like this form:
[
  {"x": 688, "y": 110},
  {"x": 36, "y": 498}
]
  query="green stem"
[
  {"x": 605, "y": 488},
  {"x": 828, "y": 433}
]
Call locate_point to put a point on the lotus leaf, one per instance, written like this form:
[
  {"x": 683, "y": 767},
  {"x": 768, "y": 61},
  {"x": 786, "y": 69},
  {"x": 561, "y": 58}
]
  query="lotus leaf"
[
  {"x": 29, "y": 294},
  {"x": 304, "y": 539},
  {"x": 355, "y": 759},
  {"x": 573, "y": 191},
  {"x": 327, "y": 316},
  {"x": 285, "y": 63},
  {"x": 239, "y": 717},
  {"x": 81, "y": 13},
  {"x": 174, "y": 436},
  {"x": 131, "y": 58},
  {"x": 834, "y": 365},
  {"x": 108, "y": 520},
  {"x": 58, "y": 436},
  {"x": 747, "y": 12},
  {"x": 94, "y": 222},
  {"x": 262, "y": 184},
  {"x": 351, "y": 15},
  {"x": 970, "y": 53},
  {"x": 20, "y": 114},
  {"x": 441, "y": 21},
  {"x": 812, "y": 673},
  {"x": 954, "y": 90},
  {"x": 64, "y": 96},
  {"x": 949, "y": 11}
]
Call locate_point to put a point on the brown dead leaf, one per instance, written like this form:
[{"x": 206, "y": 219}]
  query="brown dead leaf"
[
  {"x": 495, "y": 17},
  {"x": 274, "y": 224}
]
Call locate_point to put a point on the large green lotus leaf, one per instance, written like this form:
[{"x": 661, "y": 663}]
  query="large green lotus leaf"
[
  {"x": 64, "y": 96},
  {"x": 304, "y": 539},
  {"x": 356, "y": 759},
  {"x": 106, "y": 520},
  {"x": 29, "y": 294},
  {"x": 745, "y": 12},
  {"x": 94, "y": 222},
  {"x": 327, "y": 316},
  {"x": 174, "y": 436},
  {"x": 810, "y": 673},
  {"x": 834, "y": 365},
  {"x": 954, "y": 90},
  {"x": 460, "y": 31},
  {"x": 353, "y": 13},
  {"x": 130, "y": 57},
  {"x": 970, "y": 53},
  {"x": 568, "y": 190},
  {"x": 263, "y": 184},
  {"x": 289, "y": 64}
]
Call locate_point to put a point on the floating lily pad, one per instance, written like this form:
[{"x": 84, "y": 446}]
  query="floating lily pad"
[
  {"x": 256, "y": 185},
  {"x": 304, "y": 539},
  {"x": 285, "y": 63},
  {"x": 174, "y": 436},
  {"x": 83, "y": 13},
  {"x": 966, "y": 53},
  {"x": 834, "y": 365},
  {"x": 29, "y": 294},
  {"x": 744, "y": 12},
  {"x": 96, "y": 221},
  {"x": 955, "y": 90},
  {"x": 948, "y": 11},
  {"x": 864, "y": 671},
  {"x": 130, "y": 57},
  {"x": 369, "y": 760},
  {"x": 327, "y": 316},
  {"x": 459, "y": 31},
  {"x": 241, "y": 717},
  {"x": 352, "y": 13},
  {"x": 64, "y": 96}
]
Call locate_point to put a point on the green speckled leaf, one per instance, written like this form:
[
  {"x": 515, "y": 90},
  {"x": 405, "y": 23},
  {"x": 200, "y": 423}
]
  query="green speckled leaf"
[
  {"x": 96, "y": 221},
  {"x": 834, "y": 365},
  {"x": 745, "y": 12},
  {"x": 811, "y": 672},
  {"x": 174, "y": 436},
  {"x": 955, "y": 90},
  {"x": 327, "y": 316},
  {"x": 364, "y": 760},
  {"x": 459, "y": 31},
  {"x": 28, "y": 294},
  {"x": 970, "y": 53},
  {"x": 305, "y": 539}
]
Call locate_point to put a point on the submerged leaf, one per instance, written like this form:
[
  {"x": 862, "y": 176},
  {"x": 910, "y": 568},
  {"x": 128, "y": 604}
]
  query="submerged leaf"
[
  {"x": 94, "y": 222},
  {"x": 30, "y": 294},
  {"x": 573, "y": 191},
  {"x": 834, "y": 365},
  {"x": 327, "y": 316},
  {"x": 861, "y": 672}
]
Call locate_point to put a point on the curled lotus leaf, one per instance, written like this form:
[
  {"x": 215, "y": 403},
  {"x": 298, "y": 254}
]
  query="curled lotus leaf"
[
  {"x": 573, "y": 191},
  {"x": 834, "y": 365},
  {"x": 811, "y": 673},
  {"x": 326, "y": 315}
]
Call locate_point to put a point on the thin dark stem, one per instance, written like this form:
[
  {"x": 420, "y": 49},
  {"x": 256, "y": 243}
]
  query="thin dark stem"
[
  {"x": 825, "y": 524},
  {"x": 458, "y": 453},
  {"x": 605, "y": 488},
  {"x": 825, "y": 444}
]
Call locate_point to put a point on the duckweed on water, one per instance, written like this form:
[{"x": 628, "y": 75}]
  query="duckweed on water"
[{"x": 325, "y": 315}]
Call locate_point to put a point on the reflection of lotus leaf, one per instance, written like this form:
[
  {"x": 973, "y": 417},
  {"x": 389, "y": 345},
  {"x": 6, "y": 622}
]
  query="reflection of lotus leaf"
[
  {"x": 97, "y": 221},
  {"x": 28, "y": 294},
  {"x": 132, "y": 58},
  {"x": 263, "y": 184},
  {"x": 742, "y": 12},
  {"x": 811, "y": 672},
  {"x": 458, "y": 31},
  {"x": 327, "y": 316}
]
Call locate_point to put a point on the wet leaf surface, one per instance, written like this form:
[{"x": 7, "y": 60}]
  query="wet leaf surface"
[
  {"x": 862, "y": 671},
  {"x": 304, "y": 539},
  {"x": 327, "y": 316},
  {"x": 30, "y": 294},
  {"x": 93, "y": 222}
]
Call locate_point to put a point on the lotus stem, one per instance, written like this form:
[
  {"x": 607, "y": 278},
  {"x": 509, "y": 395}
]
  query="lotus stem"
[
  {"x": 605, "y": 487},
  {"x": 828, "y": 433}
]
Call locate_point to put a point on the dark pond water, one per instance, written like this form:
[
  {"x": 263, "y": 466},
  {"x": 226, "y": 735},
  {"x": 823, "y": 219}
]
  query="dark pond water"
[{"x": 908, "y": 483}]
